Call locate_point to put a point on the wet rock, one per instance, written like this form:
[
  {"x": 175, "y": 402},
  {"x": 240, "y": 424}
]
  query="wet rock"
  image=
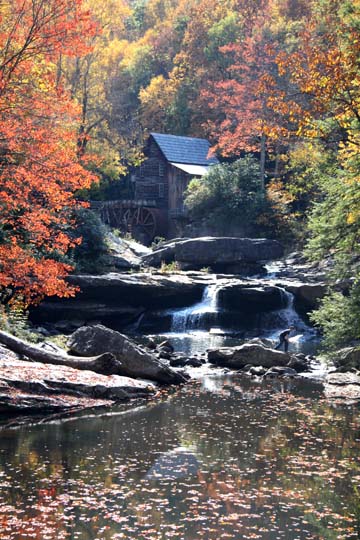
[
  {"x": 194, "y": 362},
  {"x": 238, "y": 357},
  {"x": 280, "y": 371},
  {"x": 245, "y": 297},
  {"x": 256, "y": 371},
  {"x": 220, "y": 252},
  {"x": 348, "y": 358},
  {"x": 178, "y": 361},
  {"x": 166, "y": 345},
  {"x": 150, "y": 344},
  {"x": 345, "y": 386},
  {"x": 136, "y": 361},
  {"x": 164, "y": 354},
  {"x": 299, "y": 362},
  {"x": 36, "y": 387}
]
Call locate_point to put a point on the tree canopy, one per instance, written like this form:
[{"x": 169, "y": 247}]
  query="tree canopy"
[
  {"x": 83, "y": 82},
  {"x": 40, "y": 168}
]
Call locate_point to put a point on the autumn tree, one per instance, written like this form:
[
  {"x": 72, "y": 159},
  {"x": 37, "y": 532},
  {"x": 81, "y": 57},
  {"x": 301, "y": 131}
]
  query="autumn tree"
[
  {"x": 324, "y": 104},
  {"x": 88, "y": 79},
  {"x": 40, "y": 170}
]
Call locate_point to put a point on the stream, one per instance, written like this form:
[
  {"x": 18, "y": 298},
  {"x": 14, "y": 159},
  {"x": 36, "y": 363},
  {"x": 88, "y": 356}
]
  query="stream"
[
  {"x": 201, "y": 326},
  {"x": 223, "y": 457}
]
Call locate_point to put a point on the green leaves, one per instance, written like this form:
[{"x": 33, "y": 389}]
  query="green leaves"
[{"x": 228, "y": 193}]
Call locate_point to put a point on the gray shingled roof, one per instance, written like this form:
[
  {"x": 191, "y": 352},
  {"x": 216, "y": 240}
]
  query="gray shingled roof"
[{"x": 184, "y": 149}]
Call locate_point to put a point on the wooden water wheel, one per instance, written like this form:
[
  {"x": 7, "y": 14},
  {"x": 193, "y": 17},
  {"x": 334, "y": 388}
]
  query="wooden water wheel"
[
  {"x": 141, "y": 223},
  {"x": 126, "y": 219}
]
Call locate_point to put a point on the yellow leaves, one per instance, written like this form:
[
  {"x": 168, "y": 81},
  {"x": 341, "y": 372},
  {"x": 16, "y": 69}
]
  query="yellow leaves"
[
  {"x": 352, "y": 217},
  {"x": 110, "y": 16},
  {"x": 307, "y": 153},
  {"x": 159, "y": 95}
]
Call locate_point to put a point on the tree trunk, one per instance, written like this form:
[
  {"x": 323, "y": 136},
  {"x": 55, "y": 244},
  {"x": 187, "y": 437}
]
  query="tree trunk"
[
  {"x": 262, "y": 160},
  {"x": 105, "y": 364}
]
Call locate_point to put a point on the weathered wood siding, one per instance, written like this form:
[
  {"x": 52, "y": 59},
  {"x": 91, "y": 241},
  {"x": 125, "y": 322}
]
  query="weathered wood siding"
[
  {"x": 178, "y": 182},
  {"x": 151, "y": 178}
]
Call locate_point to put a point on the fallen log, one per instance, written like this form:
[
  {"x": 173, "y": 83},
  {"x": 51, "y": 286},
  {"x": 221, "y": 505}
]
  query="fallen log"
[{"x": 105, "y": 364}]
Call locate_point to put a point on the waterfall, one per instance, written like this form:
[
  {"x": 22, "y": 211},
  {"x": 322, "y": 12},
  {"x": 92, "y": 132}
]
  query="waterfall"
[
  {"x": 288, "y": 316},
  {"x": 191, "y": 317}
]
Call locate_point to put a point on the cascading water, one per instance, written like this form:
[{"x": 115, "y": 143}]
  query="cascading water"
[
  {"x": 288, "y": 313},
  {"x": 190, "y": 318},
  {"x": 288, "y": 316}
]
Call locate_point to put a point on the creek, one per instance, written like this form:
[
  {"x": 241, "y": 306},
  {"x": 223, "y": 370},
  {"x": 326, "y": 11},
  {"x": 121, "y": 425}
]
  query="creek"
[
  {"x": 205, "y": 324},
  {"x": 224, "y": 457}
]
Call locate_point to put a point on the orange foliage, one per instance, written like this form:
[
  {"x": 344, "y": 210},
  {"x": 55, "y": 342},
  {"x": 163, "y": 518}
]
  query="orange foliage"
[
  {"x": 243, "y": 116},
  {"x": 39, "y": 167},
  {"x": 325, "y": 79}
]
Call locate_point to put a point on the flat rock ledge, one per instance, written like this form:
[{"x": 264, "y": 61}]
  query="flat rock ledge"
[
  {"x": 343, "y": 386},
  {"x": 219, "y": 253},
  {"x": 30, "y": 387}
]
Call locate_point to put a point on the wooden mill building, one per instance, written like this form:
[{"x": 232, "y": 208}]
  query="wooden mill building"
[{"x": 158, "y": 186}]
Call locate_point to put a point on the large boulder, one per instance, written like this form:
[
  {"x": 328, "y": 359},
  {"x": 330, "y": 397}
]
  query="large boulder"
[
  {"x": 73, "y": 312},
  {"x": 344, "y": 386},
  {"x": 136, "y": 361},
  {"x": 249, "y": 353},
  {"x": 120, "y": 297},
  {"x": 218, "y": 253},
  {"x": 307, "y": 295},
  {"x": 245, "y": 297},
  {"x": 125, "y": 254},
  {"x": 142, "y": 289},
  {"x": 347, "y": 359}
]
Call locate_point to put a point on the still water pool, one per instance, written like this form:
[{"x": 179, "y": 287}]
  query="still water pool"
[{"x": 221, "y": 458}]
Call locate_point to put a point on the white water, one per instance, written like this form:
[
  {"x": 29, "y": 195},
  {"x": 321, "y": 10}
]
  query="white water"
[
  {"x": 288, "y": 316},
  {"x": 190, "y": 318},
  {"x": 273, "y": 269}
]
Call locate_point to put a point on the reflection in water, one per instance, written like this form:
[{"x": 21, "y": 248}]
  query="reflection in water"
[
  {"x": 197, "y": 341},
  {"x": 223, "y": 458}
]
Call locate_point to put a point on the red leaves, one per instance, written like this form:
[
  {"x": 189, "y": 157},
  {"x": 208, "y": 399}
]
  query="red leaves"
[
  {"x": 240, "y": 103},
  {"x": 40, "y": 170}
]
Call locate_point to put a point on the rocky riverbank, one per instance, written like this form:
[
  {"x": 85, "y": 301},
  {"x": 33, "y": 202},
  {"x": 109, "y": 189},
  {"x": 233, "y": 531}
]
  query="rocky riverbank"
[
  {"x": 31, "y": 387},
  {"x": 147, "y": 297},
  {"x": 119, "y": 300}
]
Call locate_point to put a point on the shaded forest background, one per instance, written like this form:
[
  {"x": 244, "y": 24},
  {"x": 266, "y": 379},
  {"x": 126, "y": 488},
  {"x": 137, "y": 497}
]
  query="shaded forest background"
[{"x": 272, "y": 83}]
